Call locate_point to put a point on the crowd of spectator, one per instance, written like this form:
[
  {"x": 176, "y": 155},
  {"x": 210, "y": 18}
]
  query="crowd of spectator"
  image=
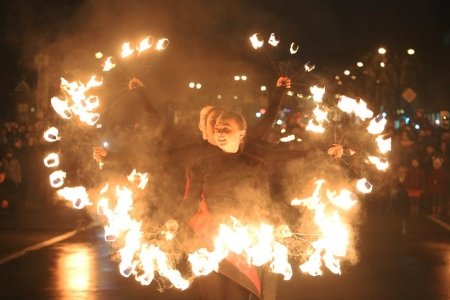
[
  {"x": 23, "y": 181},
  {"x": 417, "y": 181}
]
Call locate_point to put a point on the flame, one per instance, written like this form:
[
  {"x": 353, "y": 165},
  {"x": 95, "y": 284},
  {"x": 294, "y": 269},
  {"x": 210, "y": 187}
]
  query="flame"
[
  {"x": 57, "y": 178},
  {"x": 162, "y": 44},
  {"x": 145, "y": 44},
  {"x": 288, "y": 138},
  {"x": 61, "y": 107},
  {"x": 52, "y": 135},
  {"x": 273, "y": 40},
  {"x": 380, "y": 164},
  {"x": 345, "y": 199},
  {"x": 317, "y": 93},
  {"x": 255, "y": 243},
  {"x": 108, "y": 65},
  {"x": 294, "y": 48},
  {"x": 51, "y": 160},
  {"x": 384, "y": 145},
  {"x": 333, "y": 240},
  {"x": 136, "y": 257},
  {"x": 142, "y": 178},
  {"x": 350, "y": 105},
  {"x": 257, "y": 41},
  {"x": 377, "y": 125},
  {"x": 77, "y": 195},
  {"x": 127, "y": 50},
  {"x": 309, "y": 66},
  {"x": 315, "y": 127},
  {"x": 77, "y": 102},
  {"x": 364, "y": 186},
  {"x": 321, "y": 115}
]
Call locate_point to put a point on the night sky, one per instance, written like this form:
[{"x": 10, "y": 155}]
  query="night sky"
[{"x": 206, "y": 35}]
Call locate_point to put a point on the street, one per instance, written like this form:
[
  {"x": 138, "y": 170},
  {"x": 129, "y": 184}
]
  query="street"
[{"x": 399, "y": 258}]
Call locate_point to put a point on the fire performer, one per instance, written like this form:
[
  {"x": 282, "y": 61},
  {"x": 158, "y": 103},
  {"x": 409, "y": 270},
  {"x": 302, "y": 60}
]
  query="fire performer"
[{"x": 231, "y": 183}]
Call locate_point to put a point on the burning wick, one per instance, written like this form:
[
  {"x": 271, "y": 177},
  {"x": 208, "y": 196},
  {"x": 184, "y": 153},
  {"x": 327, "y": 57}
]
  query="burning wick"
[
  {"x": 57, "y": 178},
  {"x": 364, "y": 186},
  {"x": 51, "y": 160},
  {"x": 52, "y": 135}
]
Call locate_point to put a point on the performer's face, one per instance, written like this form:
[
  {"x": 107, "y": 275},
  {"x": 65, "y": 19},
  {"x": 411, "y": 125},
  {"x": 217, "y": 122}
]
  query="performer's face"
[
  {"x": 228, "y": 135},
  {"x": 210, "y": 125}
]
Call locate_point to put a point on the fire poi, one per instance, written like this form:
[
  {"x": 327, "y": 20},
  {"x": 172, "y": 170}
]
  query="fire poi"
[{"x": 150, "y": 256}]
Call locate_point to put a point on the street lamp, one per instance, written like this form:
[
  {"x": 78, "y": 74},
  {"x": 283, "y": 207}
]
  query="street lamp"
[
  {"x": 237, "y": 77},
  {"x": 263, "y": 88},
  {"x": 382, "y": 50},
  {"x": 411, "y": 51},
  {"x": 382, "y": 64},
  {"x": 243, "y": 77},
  {"x": 191, "y": 85},
  {"x": 198, "y": 86},
  {"x": 359, "y": 64},
  {"x": 346, "y": 72}
]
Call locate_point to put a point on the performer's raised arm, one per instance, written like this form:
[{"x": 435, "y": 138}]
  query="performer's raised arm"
[{"x": 266, "y": 122}]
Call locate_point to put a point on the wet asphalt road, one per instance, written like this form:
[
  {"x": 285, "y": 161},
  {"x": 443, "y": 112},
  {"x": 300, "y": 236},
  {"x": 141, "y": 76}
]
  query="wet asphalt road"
[{"x": 398, "y": 259}]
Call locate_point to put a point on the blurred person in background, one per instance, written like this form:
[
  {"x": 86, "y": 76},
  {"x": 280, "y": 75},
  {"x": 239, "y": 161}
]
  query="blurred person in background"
[
  {"x": 415, "y": 184},
  {"x": 436, "y": 187},
  {"x": 9, "y": 194},
  {"x": 12, "y": 166}
]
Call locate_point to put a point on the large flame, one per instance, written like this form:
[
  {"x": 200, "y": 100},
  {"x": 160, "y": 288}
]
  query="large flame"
[
  {"x": 359, "y": 108},
  {"x": 77, "y": 101},
  {"x": 77, "y": 195},
  {"x": 333, "y": 241}
]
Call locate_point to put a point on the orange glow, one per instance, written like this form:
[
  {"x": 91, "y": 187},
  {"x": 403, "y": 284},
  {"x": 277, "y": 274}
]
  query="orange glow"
[{"x": 75, "y": 271}]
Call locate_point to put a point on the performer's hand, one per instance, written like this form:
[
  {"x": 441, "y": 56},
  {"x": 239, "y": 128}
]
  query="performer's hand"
[
  {"x": 284, "y": 81},
  {"x": 283, "y": 231},
  {"x": 170, "y": 229},
  {"x": 99, "y": 153},
  {"x": 336, "y": 150},
  {"x": 135, "y": 83}
]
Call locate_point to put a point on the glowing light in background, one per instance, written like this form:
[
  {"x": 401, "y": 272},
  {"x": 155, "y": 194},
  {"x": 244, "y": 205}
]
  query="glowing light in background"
[{"x": 382, "y": 50}]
